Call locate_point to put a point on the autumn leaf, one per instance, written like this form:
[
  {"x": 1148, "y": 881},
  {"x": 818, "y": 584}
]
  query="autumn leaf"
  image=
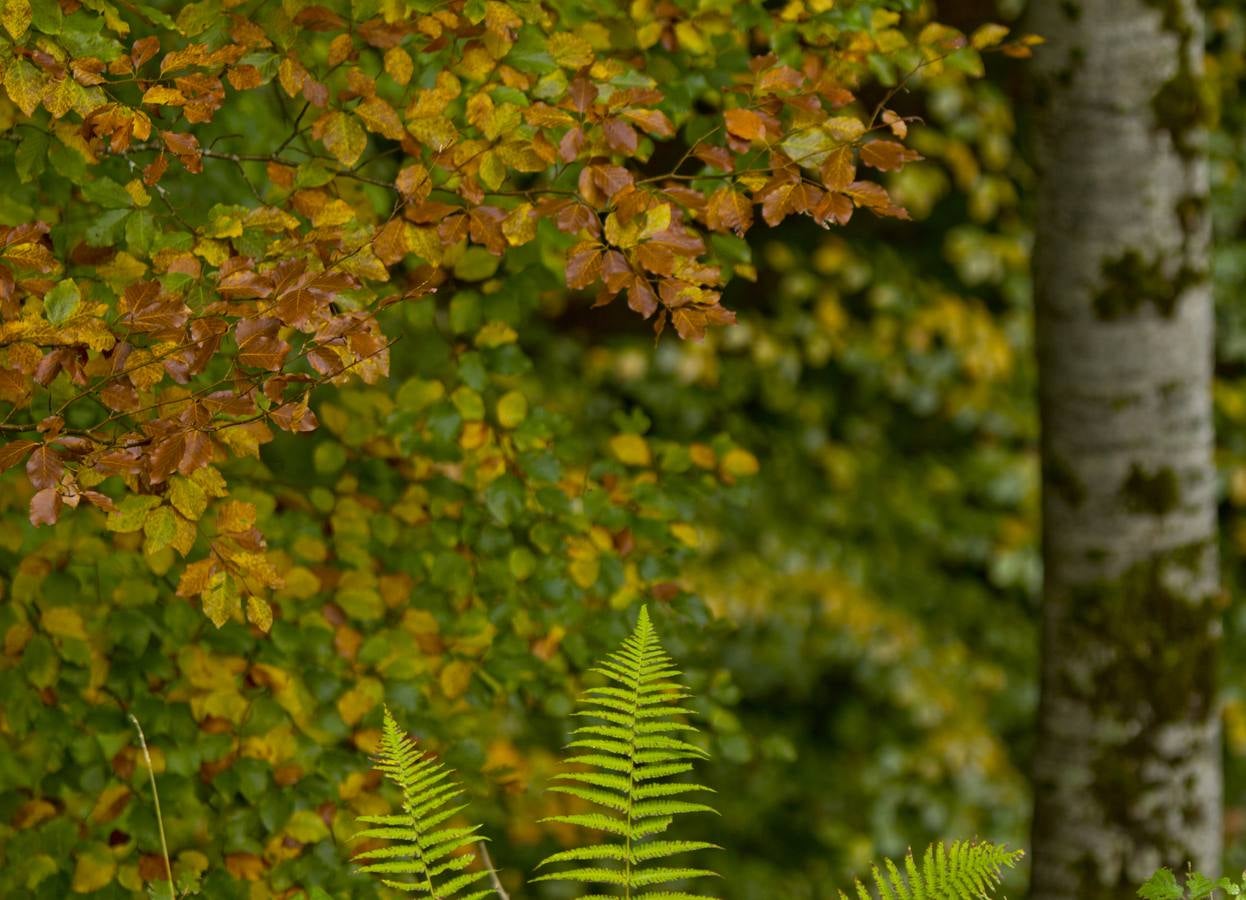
[
  {"x": 342, "y": 136},
  {"x": 44, "y": 468},
  {"x": 729, "y": 210},
  {"x": 15, "y": 16},
  {"x": 839, "y": 169},
  {"x": 584, "y": 263},
  {"x": 45, "y": 507},
  {"x": 14, "y": 452},
  {"x": 745, "y": 124},
  {"x": 888, "y": 156}
]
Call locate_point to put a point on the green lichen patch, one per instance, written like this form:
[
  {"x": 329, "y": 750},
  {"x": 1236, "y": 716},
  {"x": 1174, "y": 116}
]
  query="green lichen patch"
[
  {"x": 1156, "y": 493},
  {"x": 1131, "y": 280}
]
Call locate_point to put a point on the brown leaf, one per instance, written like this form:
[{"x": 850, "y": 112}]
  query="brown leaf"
[
  {"x": 833, "y": 207},
  {"x": 654, "y": 121},
  {"x": 45, "y": 507},
  {"x": 258, "y": 344},
  {"x": 584, "y": 262},
  {"x": 689, "y": 322},
  {"x": 620, "y": 136},
  {"x": 44, "y": 468},
  {"x": 294, "y": 417},
  {"x": 839, "y": 169},
  {"x": 641, "y": 298},
  {"x": 887, "y": 156},
  {"x": 729, "y": 210},
  {"x": 582, "y": 93},
  {"x": 745, "y": 124},
  {"x": 14, "y": 452},
  {"x": 615, "y": 271}
]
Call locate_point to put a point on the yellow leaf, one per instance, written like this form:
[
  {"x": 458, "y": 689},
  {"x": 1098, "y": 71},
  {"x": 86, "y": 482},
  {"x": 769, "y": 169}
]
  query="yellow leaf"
[
  {"x": 584, "y": 571},
  {"x": 359, "y": 700},
  {"x": 455, "y": 678},
  {"x": 306, "y": 826},
  {"x": 221, "y": 599},
  {"x": 739, "y": 463},
  {"x": 570, "y": 51},
  {"x": 259, "y": 613},
  {"x": 512, "y": 409},
  {"x": 492, "y": 171},
  {"x": 62, "y": 621},
  {"x": 398, "y": 65},
  {"x": 342, "y": 135},
  {"x": 110, "y": 802},
  {"x": 161, "y": 95},
  {"x": 235, "y": 515},
  {"x": 631, "y": 449},
  {"x": 187, "y": 497},
  {"x": 988, "y": 35},
  {"x": 24, "y": 86},
  {"x": 15, "y": 14},
  {"x": 686, "y": 534},
  {"x": 520, "y": 226},
  {"x": 94, "y": 869},
  {"x": 495, "y": 334},
  {"x": 138, "y": 193}
]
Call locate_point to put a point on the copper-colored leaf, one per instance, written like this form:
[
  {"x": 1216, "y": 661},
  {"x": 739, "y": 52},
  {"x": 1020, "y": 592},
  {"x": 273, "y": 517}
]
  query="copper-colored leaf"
[
  {"x": 887, "y": 156},
  {"x": 839, "y": 169},
  {"x": 745, "y": 123},
  {"x": 729, "y": 210},
  {"x": 14, "y": 452},
  {"x": 44, "y": 468},
  {"x": 584, "y": 263},
  {"x": 45, "y": 507},
  {"x": 654, "y": 121}
]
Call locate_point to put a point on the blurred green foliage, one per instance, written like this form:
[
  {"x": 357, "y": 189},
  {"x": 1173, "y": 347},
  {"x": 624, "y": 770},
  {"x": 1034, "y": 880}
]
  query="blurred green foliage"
[{"x": 834, "y": 503}]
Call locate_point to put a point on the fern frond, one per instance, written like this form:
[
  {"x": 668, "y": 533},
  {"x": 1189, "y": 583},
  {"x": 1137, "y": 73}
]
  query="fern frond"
[
  {"x": 428, "y": 856},
  {"x": 967, "y": 870},
  {"x": 632, "y": 744}
]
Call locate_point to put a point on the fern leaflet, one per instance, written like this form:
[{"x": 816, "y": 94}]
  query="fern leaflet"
[
  {"x": 631, "y": 751},
  {"x": 967, "y": 870},
  {"x": 421, "y": 846}
]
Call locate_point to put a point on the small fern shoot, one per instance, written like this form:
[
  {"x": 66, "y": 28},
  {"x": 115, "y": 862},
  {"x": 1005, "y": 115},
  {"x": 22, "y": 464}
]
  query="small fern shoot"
[
  {"x": 632, "y": 751},
  {"x": 967, "y": 870},
  {"x": 420, "y": 847}
]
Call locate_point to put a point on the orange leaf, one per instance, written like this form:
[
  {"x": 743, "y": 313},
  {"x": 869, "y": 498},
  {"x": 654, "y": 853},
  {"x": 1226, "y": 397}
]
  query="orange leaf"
[
  {"x": 729, "y": 210},
  {"x": 887, "y": 156},
  {"x": 839, "y": 170},
  {"x": 745, "y": 123}
]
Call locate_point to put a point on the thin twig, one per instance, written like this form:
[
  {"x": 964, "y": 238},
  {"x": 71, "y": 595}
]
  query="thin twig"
[
  {"x": 164, "y": 844},
  {"x": 493, "y": 873}
]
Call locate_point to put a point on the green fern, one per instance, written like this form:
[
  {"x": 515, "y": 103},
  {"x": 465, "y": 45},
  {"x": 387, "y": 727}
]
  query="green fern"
[
  {"x": 420, "y": 847},
  {"x": 632, "y": 751},
  {"x": 968, "y": 870},
  {"x": 1163, "y": 885}
]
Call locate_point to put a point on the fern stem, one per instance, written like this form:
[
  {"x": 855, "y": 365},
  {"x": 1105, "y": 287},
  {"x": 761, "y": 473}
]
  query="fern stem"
[
  {"x": 151, "y": 773},
  {"x": 493, "y": 872},
  {"x": 631, "y": 790}
]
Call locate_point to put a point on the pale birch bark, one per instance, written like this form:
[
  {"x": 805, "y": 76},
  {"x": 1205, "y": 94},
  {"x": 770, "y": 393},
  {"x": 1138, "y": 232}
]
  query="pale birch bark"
[{"x": 1127, "y": 769}]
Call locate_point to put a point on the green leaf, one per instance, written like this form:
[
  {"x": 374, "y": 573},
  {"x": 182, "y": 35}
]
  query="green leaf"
[
  {"x": 32, "y": 155},
  {"x": 61, "y": 302},
  {"x": 159, "y": 529},
  {"x": 1161, "y": 886},
  {"x": 131, "y": 512}
]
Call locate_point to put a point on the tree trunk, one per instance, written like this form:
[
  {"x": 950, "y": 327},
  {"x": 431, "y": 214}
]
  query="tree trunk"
[{"x": 1127, "y": 770}]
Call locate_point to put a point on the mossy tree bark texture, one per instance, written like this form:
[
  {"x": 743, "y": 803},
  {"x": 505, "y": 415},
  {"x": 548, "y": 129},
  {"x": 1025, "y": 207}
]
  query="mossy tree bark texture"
[{"x": 1127, "y": 769}]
